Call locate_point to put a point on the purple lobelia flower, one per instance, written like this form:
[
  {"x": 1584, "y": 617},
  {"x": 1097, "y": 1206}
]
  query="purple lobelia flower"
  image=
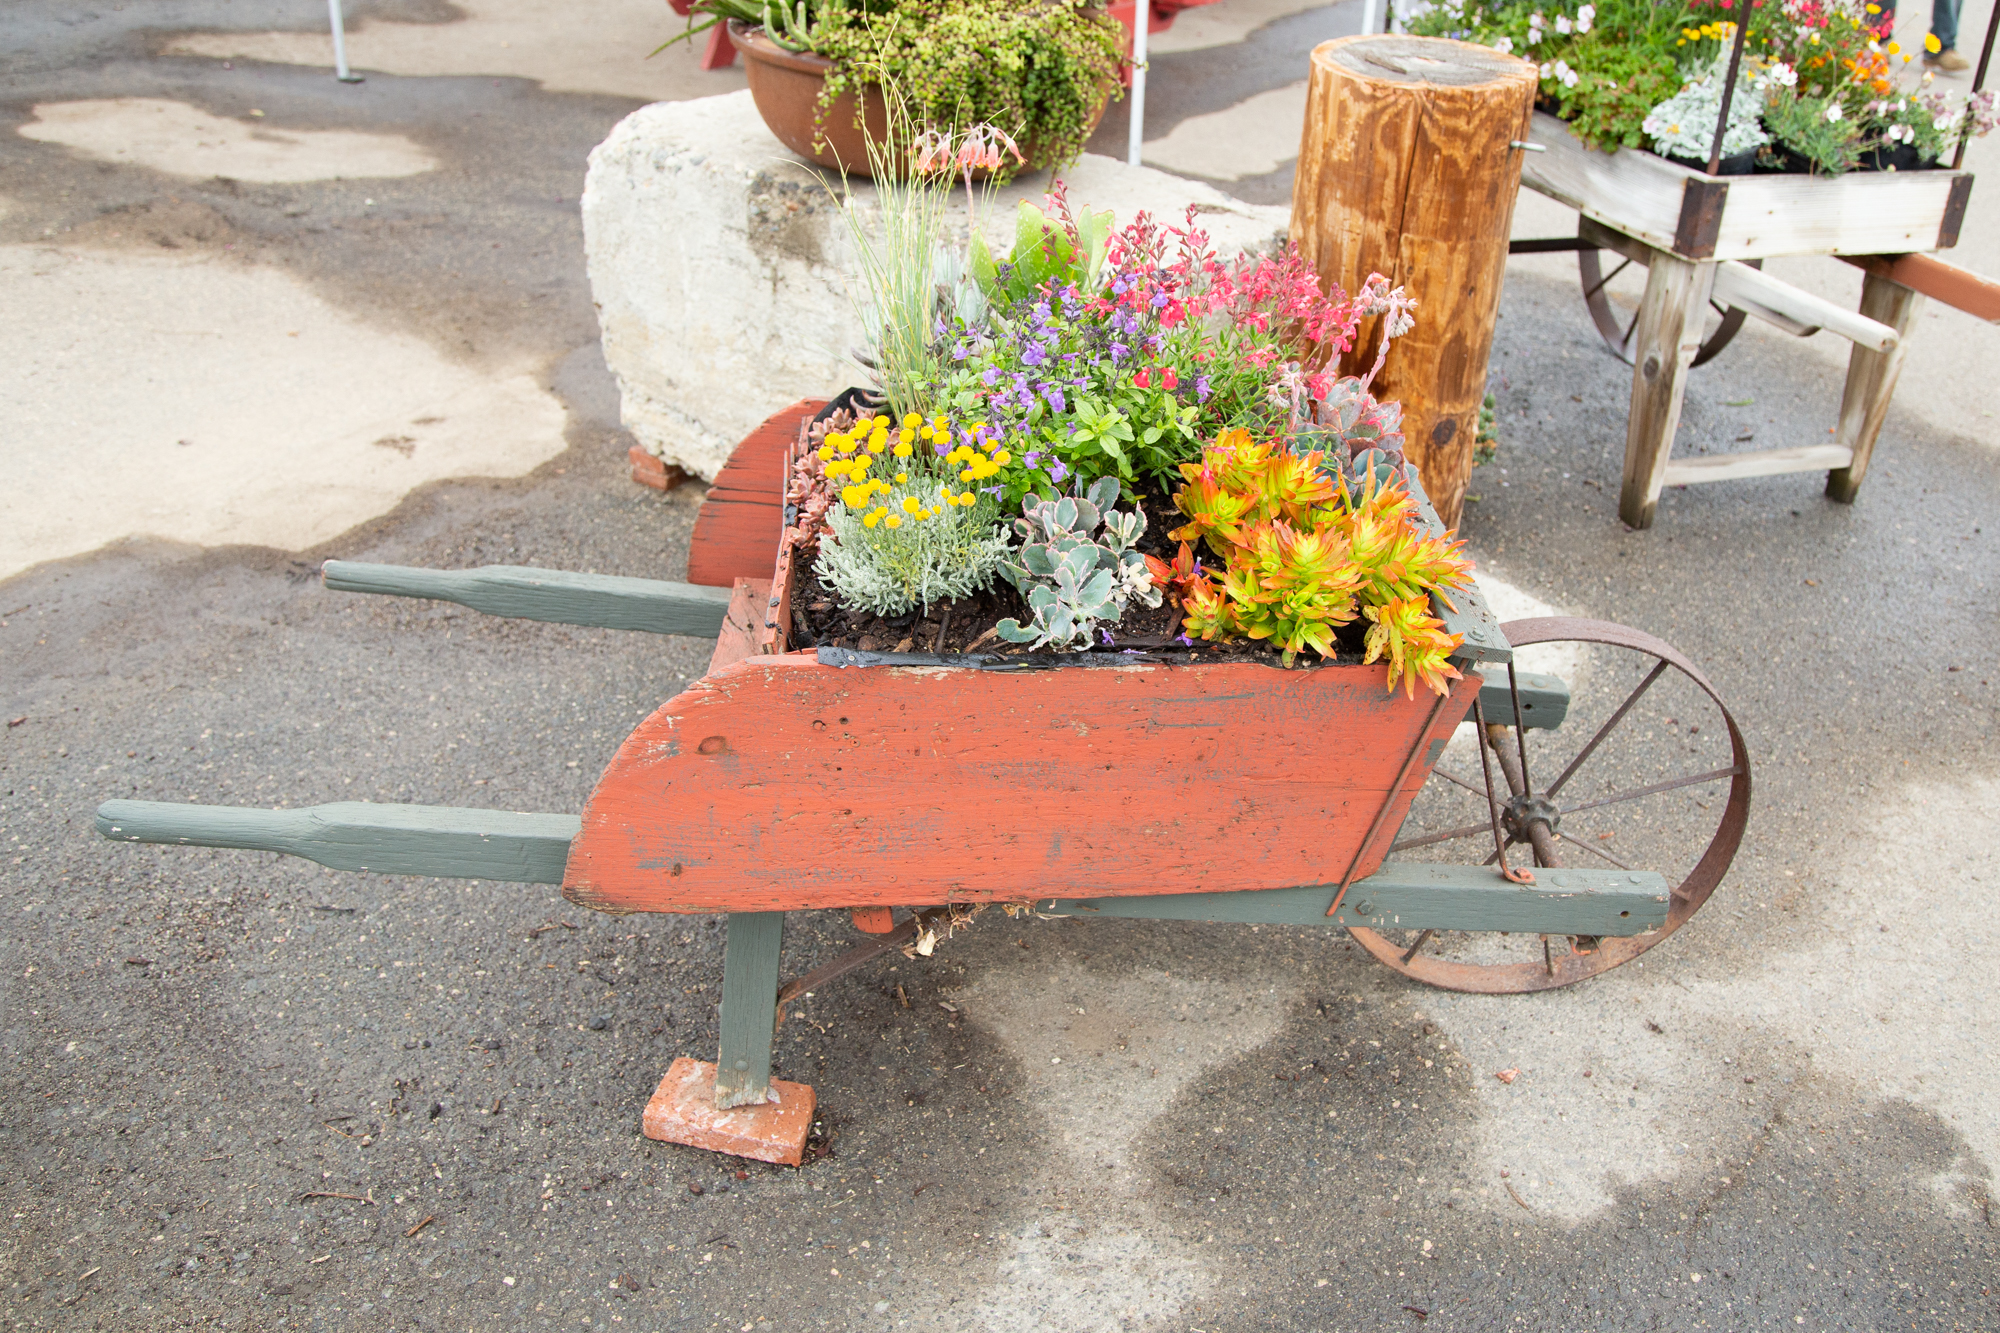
[
  {"x": 1052, "y": 393},
  {"x": 1201, "y": 388}
]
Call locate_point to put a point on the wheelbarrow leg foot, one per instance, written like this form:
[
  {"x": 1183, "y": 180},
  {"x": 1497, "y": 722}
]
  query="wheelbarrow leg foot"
[
  {"x": 683, "y": 1110},
  {"x": 734, "y": 1105}
]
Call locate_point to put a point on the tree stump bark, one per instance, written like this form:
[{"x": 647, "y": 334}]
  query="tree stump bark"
[{"x": 1406, "y": 169}]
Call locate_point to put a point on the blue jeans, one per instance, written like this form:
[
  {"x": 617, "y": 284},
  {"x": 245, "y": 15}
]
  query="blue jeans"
[{"x": 1944, "y": 23}]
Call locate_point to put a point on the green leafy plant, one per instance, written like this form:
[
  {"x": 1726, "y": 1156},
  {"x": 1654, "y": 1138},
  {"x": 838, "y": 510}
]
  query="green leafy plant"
[
  {"x": 1486, "y": 440},
  {"x": 1818, "y": 129},
  {"x": 1049, "y": 253},
  {"x": 1072, "y": 576},
  {"x": 1041, "y": 70}
]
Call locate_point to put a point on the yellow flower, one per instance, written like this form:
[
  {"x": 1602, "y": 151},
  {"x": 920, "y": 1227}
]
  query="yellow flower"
[
  {"x": 853, "y": 496},
  {"x": 905, "y": 435},
  {"x": 965, "y": 474},
  {"x": 904, "y": 451},
  {"x": 1893, "y": 49},
  {"x": 912, "y": 421},
  {"x": 902, "y": 478},
  {"x": 826, "y": 455},
  {"x": 874, "y": 517},
  {"x": 910, "y": 505},
  {"x": 923, "y": 513},
  {"x": 893, "y": 521},
  {"x": 924, "y": 433},
  {"x": 968, "y": 500},
  {"x": 1003, "y": 458},
  {"x": 1932, "y": 44},
  {"x": 1874, "y": 9},
  {"x": 860, "y": 465}
]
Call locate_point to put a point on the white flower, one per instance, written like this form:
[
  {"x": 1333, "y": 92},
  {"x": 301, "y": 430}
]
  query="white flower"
[
  {"x": 1504, "y": 45},
  {"x": 1534, "y": 35},
  {"x": 1563, "y": 25},
  {"x": 1585, "y": 17},
  {"x": 1785, "y": 74},
  {"x": 1535, "y": 19},
  {"x": 1833, "y": 112}
]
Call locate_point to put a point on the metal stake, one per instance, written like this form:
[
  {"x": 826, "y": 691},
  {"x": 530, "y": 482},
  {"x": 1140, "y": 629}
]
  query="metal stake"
[
  {"x": 1142, "y": 19},
  {"x": 1728, "y": 92},
  {"x": 340, "y": 70},
  {"x": 1979, "y": 77}
]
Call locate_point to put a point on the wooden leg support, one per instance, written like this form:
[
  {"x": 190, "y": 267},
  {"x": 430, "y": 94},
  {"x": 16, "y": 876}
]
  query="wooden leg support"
[
  {"x": 734, "y": 1105},
  {"x": 1669, "y": 335},
  {"x": 1871, "y": 381}
]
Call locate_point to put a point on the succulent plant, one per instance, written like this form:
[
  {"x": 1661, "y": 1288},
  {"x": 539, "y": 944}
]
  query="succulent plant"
[{"x": 1071, "y": 576}]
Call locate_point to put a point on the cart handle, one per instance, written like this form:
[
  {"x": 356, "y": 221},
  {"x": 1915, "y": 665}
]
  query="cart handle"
[
  {"x": 359, "y": 835},
  {"x": 603, "y": 601}
]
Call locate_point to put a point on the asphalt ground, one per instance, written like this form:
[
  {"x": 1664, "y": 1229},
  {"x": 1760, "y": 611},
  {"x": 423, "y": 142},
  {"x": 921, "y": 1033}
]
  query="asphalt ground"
[{"x": 1788, "y": 1121}]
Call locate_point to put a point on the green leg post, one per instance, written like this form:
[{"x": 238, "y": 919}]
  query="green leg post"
[{"x": 749, "y": 1008}]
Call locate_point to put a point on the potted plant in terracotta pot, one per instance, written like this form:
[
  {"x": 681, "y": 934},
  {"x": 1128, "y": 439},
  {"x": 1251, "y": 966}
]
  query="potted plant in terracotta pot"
[{"x": 1040, "y": 71}]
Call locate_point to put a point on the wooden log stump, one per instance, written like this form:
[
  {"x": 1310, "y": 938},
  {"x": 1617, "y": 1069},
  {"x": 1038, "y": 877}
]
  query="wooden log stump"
[{"x": 1406, "y": 168}]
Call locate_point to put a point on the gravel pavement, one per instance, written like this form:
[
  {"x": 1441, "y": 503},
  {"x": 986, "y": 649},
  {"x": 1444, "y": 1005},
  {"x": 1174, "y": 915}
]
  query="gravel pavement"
[{"x": 247, "y": 1093}]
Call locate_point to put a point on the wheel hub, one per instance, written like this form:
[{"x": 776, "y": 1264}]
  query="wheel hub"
[{"x": 1521, "y": 811}]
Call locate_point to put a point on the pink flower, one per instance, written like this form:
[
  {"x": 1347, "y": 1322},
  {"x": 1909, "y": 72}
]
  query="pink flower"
[
  {"x": 1170, "y": 380},
  {"x": 1143, "y": 379}
]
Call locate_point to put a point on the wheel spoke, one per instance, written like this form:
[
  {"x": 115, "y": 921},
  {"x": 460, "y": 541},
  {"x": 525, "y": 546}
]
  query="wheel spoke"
[
  {"x": 1627, "y": 340},
  {"x": 1470, "y": 830},
  {"x": 1458, "y": 780},
  {"x": 1655, "y": 789},
  {"x": 1594, "y": 851},
  {"x": 1589, "y": 292},
  {"x": 1417, "y": 948},
  {"x": 1658, "y": 670}
]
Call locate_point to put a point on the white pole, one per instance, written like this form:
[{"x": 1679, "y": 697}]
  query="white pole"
[
  {"x": 339, "y": 43},
  {"x": 1370, "y": 15},
  {"x": 1142, "y": 17}
]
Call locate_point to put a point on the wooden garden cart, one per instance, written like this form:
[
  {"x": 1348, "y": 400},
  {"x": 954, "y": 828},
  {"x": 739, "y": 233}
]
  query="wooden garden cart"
[
  {"x": 1702, "y": 240},
  {"x": 1116, "y": 785}
]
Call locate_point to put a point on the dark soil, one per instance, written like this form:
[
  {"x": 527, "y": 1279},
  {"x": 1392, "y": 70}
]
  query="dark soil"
[{"x": 967, "y": 625}]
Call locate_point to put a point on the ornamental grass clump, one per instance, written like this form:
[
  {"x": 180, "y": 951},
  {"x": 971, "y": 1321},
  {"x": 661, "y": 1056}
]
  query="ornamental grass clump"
[{"x": 906, "y": 533}]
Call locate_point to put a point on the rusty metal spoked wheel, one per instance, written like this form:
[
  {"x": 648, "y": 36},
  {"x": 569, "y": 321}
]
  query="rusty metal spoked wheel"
[
  {"x": 1648, "y": 772},
  {"x": 1619, "y": 327}
]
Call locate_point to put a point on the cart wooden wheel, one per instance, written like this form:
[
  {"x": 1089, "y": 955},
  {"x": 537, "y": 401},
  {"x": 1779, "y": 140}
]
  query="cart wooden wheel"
[
  {"x": 1647, "y": 772},
  {"x": 1619, "y": 327}
]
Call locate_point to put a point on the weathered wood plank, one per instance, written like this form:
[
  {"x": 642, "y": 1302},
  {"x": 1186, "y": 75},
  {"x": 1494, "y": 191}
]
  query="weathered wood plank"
[
  {"x": 1782, "y": 304},
  {"x": 1544, "y": 700},
  {"x": 1871, "y": 382},
  {"x": 605, "y": 601},
  {"x": 749, "y": 1008},
  {"x": 736, "y": 531},
  {"x": 1758, "y": 463},
  {"x": 779, "y": 783},
  {"x": 1465, "y": 611},
  {"x": 1862, "y": 212},
  {"x": 743, "y": 629},
  {"x": 1669, "y": 335},
  {"x": 359, "y": 835},
  {"x": 1406, "y": 895}
]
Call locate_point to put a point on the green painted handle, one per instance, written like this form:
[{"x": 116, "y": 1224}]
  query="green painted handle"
[
  {"x": 605, "y": 601},
  {"x": 1408, "y": 895},
  {"x": 357, "y": 835}
]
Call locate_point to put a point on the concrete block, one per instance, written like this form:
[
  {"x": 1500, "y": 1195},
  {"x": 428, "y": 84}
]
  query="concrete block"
[{"x": 719, "y": 264}]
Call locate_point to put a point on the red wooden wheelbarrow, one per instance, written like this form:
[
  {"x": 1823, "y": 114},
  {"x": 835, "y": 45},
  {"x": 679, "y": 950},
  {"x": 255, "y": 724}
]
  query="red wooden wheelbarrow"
[{"x": 1108, "y": 785}]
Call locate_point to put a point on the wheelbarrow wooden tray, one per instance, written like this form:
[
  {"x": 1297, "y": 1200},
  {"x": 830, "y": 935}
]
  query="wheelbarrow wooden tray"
[
  {"x": 1697, "y": 216},
  {"x": 780, "y": 783}
]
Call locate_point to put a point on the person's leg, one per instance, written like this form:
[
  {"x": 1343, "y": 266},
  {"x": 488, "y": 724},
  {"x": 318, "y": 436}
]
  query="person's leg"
[{"x": 1944, "y": 23}]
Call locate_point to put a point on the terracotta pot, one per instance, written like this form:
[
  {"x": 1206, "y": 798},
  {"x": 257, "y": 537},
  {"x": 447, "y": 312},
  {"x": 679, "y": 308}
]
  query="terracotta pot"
[{"x": 786, "y": 87}]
